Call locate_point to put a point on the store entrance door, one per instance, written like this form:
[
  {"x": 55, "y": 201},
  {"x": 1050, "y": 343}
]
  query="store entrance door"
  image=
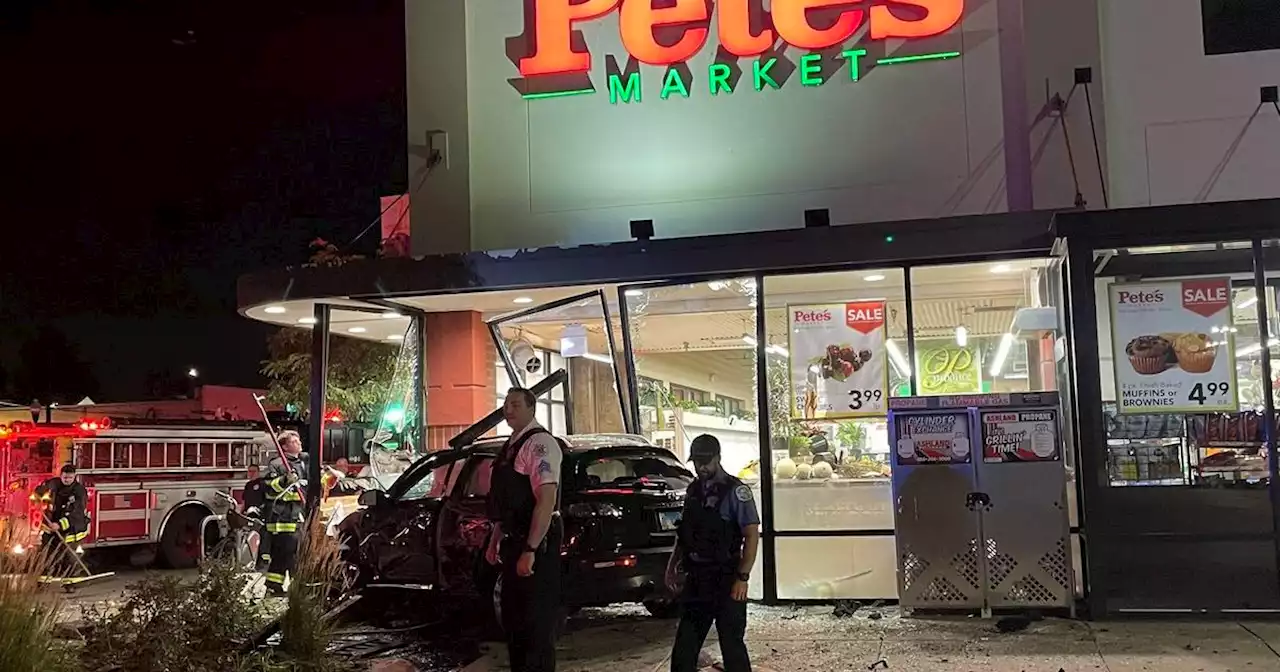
[{"x": 575, "y": 333}]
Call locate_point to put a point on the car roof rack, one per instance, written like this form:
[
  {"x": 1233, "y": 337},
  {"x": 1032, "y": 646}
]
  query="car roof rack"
[{"x": 469, "y": 435}]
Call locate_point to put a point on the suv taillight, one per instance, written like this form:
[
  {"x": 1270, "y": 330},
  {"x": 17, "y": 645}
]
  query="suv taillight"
[{"x": 594, "y": 510}]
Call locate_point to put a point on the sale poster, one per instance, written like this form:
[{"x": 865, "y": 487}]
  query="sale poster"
[
  {"x": 1020, "y": 436},
  {"x": 932, "y": 438},
  {"x": 1172, "y": 345},
  {"x": 838, "y": 363}
]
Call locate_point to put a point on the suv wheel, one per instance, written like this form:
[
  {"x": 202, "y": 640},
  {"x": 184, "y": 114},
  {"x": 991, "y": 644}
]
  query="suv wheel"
[{"x": 662, "y": 607}]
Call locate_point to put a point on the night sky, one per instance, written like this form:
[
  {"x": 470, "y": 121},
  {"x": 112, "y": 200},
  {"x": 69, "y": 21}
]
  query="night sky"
[{"x": 154, "y": 151}]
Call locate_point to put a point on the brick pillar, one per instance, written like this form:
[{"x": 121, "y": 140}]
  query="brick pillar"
[{"x": 460, "y": 374}]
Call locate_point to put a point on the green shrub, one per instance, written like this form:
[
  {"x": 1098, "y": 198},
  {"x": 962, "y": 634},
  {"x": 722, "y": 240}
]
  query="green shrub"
[
  {"x": 165, "y": 624},
  {"x": 28, "y": 615},
  {"x": 305, "y": 631}
]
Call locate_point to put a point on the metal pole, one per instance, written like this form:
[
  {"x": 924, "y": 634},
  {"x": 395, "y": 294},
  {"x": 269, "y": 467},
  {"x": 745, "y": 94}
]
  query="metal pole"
[
  {"x": 912, "y": 388},
  {"x": 319, "y": 381},
  {"x": 1268, "y": 400},
  {"x": 769, "y": 554},
  {"x": 624, "y": 394},
  {"x": 1013, "y": 96},
  {"x": 420, "y": 384},
  {"x": 629, "y": 363},
  {"x": 1091, "y": 434}
]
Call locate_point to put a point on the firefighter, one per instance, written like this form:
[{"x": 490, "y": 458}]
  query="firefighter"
[
  {"x": 66, "y": 517},
  {"x": 255, "y": 505},
  {"x": 523, "y": 498},
  {"x": 286, "y": 512},
  {"x": 716, "y": 548}
]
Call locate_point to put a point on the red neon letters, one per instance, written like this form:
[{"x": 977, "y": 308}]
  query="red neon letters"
[{"x": 554, "y": 23}]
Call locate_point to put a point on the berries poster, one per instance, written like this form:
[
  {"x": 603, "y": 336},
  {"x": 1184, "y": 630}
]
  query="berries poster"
[
  {"x": 838, "y": 364},
  {"x": 1173, "y": 346}
]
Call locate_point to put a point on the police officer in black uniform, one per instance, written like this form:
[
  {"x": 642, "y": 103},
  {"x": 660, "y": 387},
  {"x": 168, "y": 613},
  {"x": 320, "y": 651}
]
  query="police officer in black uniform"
[
  {"x": 523, "y": 501},
  {"x": 66, "y": 516},
  {"x": 287, "y": 513},
  {"x": 718, "y": 539}
]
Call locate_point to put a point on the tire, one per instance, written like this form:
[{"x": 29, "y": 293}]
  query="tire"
[
  {"x": 662, "y": 608},
  {"x": 180, "y": 545}
]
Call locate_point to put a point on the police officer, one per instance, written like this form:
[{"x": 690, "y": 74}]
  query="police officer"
[
  {"x": 255, "y": 506},
  {"x": 286, "y": 513},
  {"x": 716, "y": 548},
  {"x": 523, "y": 500},
  {"x": 66, "y": 516}
]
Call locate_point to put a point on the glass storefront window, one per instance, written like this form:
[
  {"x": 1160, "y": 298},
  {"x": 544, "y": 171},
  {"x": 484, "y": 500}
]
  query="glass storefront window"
[
  {"x": 1178, "y": 334},
  {"x": 573, "y": 337},
  {"x": 830, "y": 459},
  {"x": 837, "y": 350},
  {"x": 694, "y": 349},
  {"x": 984, "y": 328}
]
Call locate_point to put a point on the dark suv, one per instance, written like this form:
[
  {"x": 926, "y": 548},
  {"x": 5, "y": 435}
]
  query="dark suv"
[{"x": 621, "y": 500}]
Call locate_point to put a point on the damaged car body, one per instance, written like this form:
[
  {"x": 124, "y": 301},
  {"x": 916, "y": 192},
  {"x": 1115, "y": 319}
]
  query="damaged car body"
[{"x": 621, "y": 500}]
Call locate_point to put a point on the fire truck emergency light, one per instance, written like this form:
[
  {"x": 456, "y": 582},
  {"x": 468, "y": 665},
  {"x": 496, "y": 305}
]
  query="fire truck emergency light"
[{"x": 87, "y": 425}]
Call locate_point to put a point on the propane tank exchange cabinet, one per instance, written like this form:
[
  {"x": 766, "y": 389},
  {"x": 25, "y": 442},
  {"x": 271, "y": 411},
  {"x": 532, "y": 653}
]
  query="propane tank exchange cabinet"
[{"x": 980, "y": 506}]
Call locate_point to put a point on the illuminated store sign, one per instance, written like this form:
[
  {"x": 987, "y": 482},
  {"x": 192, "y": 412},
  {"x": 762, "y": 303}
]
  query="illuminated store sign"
[{"x": 672, "y": 34}]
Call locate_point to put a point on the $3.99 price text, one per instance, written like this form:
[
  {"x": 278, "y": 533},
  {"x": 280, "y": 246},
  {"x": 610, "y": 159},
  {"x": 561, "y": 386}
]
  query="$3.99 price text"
[
  {"x": 860, "y": 398},
  {"x": 1203, "y": 392}
]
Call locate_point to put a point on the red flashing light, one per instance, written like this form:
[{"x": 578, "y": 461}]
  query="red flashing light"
[
  {"x": 334, "y": 415},
  {"x": 92, "y": 425}
]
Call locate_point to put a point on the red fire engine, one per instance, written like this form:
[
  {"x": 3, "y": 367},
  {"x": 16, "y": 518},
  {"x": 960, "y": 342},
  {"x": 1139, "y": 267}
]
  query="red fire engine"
[{"x": 150, "y": 486}]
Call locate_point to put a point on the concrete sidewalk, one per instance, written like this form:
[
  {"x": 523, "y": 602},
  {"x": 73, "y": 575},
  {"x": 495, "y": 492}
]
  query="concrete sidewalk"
[{"x": 811, "y": 639}]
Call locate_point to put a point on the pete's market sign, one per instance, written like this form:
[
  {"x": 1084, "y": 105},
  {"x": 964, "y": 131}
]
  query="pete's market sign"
[{"x": 671, "y": 32}]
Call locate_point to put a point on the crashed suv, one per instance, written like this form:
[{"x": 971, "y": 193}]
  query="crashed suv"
[{"x": 621, "y": 501}]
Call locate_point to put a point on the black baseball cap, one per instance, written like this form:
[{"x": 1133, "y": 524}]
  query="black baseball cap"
[{"x": 704, "y": 449}]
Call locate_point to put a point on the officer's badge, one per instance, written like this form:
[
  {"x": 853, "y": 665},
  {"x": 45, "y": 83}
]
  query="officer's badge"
[{"x": 743, "y": 493}]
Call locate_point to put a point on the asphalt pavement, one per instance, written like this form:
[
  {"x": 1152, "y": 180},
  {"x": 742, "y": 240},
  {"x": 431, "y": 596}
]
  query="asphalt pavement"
[{"x": 626, "y": 639}]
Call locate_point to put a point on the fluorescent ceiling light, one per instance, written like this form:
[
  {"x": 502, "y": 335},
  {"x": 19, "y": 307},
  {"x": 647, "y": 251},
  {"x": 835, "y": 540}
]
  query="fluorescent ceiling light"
[
  {"x": 634, "y": 292},
  {"x": 307, "y": 320},
  {"x": 522, "y": 299},
  {"x": 391, "y": 315},
  {"x": 274, "y": 310},
  {"x": 778, "y": 350},
  {"x": 1001, "y": 268},
  {"x": 357, "y": 330},
  {"x": 1002, "y": 353},
  {"x": 875, "y": 277},
  {"x": 396, "y": 337},
  {"x": 598, "y": 358},
  {"x": 1247, "y": 302},
  {"x": 1256, "y": 347},
  {"x": 749, "y": 340},
  {"x": 962, "y": 336},
  {"x": 895, "y": 356}
]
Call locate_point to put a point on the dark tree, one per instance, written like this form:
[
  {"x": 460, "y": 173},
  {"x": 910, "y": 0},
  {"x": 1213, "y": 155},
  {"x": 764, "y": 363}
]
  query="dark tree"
[{"x": 51, "y": 369}]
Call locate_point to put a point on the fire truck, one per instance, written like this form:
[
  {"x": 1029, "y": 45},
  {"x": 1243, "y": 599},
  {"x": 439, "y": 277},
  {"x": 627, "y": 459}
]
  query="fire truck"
[{"x": 151, "y": 486}]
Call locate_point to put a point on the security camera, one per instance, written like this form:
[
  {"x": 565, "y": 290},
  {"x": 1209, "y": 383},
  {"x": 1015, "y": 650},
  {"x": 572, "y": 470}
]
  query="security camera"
[{"x": 525, "y": 357}]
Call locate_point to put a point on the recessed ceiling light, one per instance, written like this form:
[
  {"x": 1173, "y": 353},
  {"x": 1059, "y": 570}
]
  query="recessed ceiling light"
[
  {"x": 307, "y": 320},
  {"x": 391, "y": 315},
  {"x": 523, "y": 299},
  {"x": 634, "y": 292},
  {"x": 875, "y": 277},
  {"x": 274, "y": 310},
  {"x": 357, "y": 330},
  {"x": 396, "y": 337},
  {"x": 1001, "y": 268}
]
